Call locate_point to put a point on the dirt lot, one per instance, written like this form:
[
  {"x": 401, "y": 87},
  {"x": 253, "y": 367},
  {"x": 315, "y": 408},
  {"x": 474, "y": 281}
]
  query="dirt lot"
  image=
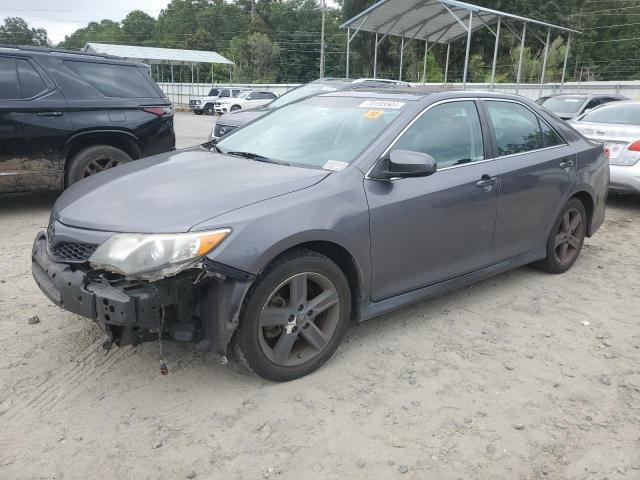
[{"x": 525, "y": 375}]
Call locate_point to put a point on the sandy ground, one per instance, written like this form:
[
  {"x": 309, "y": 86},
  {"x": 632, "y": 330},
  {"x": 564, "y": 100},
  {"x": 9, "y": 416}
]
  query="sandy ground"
[{"x": 525, "y": 375}]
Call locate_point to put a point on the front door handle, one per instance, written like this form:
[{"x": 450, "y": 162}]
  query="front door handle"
[
  {"x": 486, "y": 182},
  {"x": 566, "y": 164},
  {"x": 50, "y": 114}
]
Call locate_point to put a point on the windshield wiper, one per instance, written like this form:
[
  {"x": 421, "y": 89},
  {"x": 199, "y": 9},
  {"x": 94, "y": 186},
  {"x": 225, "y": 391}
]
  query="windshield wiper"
[{"x": 257, "y": 157}]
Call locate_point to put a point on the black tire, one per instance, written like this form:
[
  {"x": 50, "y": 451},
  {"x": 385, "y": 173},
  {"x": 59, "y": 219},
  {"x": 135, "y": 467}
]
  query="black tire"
[
  {"x": 252, "y": 340},
  {"x": 234, "y": 108},
  {"x": 92, "y": 160},
  {"x": 565, "y": 240},
  {"x": 198, "y": 112},
  {"x": 208, "y": 109}
]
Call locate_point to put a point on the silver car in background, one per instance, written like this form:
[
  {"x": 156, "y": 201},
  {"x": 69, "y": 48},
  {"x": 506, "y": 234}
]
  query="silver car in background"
[
  {"x": 618, "y": 126},
  {"x": 568, "y": 106}
]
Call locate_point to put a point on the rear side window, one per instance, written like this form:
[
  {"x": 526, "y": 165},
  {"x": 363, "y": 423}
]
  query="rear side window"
[
  {"x": 8, "y": 79},
  {"x": 450, "y": 133},
  {"x": 516, "y": 127},
  {"x": 549, "y": 136},
  {"x": 124, "y": 81},
  {"x": 224, "y": 94},
  {"x": 31, "y": 83}
]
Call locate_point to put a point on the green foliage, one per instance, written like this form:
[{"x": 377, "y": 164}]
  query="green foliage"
[
  {"x": 290, "y": 34},
  {"x": 15, "y": 31}
]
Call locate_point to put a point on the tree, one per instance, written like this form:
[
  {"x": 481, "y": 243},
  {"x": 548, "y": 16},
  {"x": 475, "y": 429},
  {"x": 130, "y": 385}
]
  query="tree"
[
  {"x": 16, "y": 31},
  {"x": 138, "y": 28},
  {"x": 255, "y": 58}
]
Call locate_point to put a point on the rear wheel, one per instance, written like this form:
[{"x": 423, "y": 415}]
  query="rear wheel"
[
  {"x": 92, "y": 160},
  {"x": 294, "y": 317},
  {"x": 235, "y": 107},
  {"x": 567, "y": 236},
  {"x": 208, "y": 109}
]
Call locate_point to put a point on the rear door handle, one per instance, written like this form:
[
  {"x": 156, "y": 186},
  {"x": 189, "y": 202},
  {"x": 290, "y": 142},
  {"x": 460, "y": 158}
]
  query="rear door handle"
[
  {"x": 50, "y": 114},
  {"x": 566, "y": 164},
  {"x": 487, "y": 182}
]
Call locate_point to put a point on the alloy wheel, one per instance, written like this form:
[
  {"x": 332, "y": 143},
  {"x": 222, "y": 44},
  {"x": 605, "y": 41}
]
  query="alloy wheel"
[
  {"x": 299, "y": 319},
  {"x": 569, "y": 237},
  {"x": 99, "y": 165}
]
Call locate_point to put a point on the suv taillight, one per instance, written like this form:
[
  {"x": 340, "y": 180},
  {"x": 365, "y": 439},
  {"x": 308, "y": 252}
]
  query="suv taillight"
[
  {"x": 159, "y": 111},
  {"x": 635, "y": 146}
]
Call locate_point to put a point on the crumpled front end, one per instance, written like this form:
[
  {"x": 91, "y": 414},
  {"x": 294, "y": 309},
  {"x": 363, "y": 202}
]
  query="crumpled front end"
[{"x": 201, "y": 304}]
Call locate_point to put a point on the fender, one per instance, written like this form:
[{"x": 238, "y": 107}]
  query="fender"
[{"x": 74, "y": 139}]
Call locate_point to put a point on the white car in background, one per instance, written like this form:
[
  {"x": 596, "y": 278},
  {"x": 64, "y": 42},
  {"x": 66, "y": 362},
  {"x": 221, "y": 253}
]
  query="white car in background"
[
  {"x": 205, "y": 104},
  {"x": 617, "y": 125},
  {"x": 244, "y": 100}
]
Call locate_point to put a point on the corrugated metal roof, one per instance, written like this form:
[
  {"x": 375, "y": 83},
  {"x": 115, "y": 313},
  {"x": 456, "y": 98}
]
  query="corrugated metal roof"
[
  {"x": 431, "y": 20},
  {"x": 154, "y": 55}
]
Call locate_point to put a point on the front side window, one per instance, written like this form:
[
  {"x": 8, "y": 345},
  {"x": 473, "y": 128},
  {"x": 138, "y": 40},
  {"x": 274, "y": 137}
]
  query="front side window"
[
  {"x": 315, "y": 131},
  {"x": 214, "y": 92},
  {"x": 516, "y": 128},
  {"x": 450, "y": 133},
  {"x": 8, "y": 79},
  {"x": 225, "y": 94},
  {"x": 112, "y": 80}
]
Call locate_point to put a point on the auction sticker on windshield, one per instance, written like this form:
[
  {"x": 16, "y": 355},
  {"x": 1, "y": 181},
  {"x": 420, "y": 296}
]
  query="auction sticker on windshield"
[
  {"x": 381, "y": 104},
  {"x": 335, "y": 165}
]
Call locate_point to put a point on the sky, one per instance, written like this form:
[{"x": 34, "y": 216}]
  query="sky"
[{"x": 63, "y": 17}]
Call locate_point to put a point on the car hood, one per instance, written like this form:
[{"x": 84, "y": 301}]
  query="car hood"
[
  {"x": 242, "y": 117},
  {"x": 173, "y": 192}
]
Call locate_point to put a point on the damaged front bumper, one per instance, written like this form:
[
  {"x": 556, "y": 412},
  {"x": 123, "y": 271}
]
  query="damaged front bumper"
[{"x": 200, "y": 304}]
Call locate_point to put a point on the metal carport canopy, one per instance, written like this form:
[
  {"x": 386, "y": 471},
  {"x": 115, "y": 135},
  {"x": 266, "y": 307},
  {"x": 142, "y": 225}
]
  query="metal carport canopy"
[
  {"x": 153, "y": 55},
  {"x": 434, "y": 21}
]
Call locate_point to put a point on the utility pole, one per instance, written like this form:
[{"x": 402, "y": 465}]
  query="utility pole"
[{"x": 322, "y": 7}]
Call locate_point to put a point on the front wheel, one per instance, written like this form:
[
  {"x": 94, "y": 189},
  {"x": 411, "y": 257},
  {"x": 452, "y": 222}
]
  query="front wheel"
[
  {"x": 566, "y": 238},
  {"x": 294, "y": 317},
  {"x": 235, "y": 108},
  {"x": 209, "y": 110}
]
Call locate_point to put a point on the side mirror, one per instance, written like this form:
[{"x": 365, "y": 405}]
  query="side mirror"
[{"x": 405, "y": 164}]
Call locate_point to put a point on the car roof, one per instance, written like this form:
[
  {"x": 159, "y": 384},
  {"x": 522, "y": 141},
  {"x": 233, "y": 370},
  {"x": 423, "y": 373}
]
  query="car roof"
[
  {"x": 48, "y": 51},
  {"x": 421, "y": 92},
  {"x": 582, "y": 95}
]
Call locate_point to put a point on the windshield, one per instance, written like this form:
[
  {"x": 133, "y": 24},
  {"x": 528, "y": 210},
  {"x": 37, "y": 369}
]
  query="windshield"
[
  {"x": 315, "y": 131},
  {"x": 308, "y": 90},
  {"x": 564, "y": 104},
  {"x": 621, "y": 113}
]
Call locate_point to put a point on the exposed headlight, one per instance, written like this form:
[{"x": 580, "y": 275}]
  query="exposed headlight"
[{"x": 151, "y": 256}]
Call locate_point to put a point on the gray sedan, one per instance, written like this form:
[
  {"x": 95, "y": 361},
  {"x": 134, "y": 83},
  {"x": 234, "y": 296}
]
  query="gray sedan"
[
  {"x": 339, "y": 207},
  {"x": 618, "y": 127},
  {"x": 571, "y": 105}
]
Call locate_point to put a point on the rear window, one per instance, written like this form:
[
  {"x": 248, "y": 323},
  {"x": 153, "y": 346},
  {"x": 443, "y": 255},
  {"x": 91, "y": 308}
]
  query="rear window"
[
  {"x": 621, "y": 113},
  {"x": 564, "y": 104},
  {"x": 124, "y": 81}
]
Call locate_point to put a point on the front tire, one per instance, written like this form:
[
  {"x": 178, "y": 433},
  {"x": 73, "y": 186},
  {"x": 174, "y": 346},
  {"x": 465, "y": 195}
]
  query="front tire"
[
  {"x": 92, "y": 160},
  {"x": 209, "y": 109},
  {"x": 235, "y": 108},
  {"x": 294, "y": 317},
  {"x": 566, "y": 238}
]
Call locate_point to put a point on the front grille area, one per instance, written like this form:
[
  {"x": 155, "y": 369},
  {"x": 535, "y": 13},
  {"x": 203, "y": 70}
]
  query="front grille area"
[
  {"x": 221, "y": 130},
  {"x": 73, "y": 252},
  {"x": 194, "y": 102}
]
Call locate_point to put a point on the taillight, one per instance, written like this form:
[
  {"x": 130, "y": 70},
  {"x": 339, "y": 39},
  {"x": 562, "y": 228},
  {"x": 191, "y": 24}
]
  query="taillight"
[
  {"x": 635, "y": 146},
  {"x": 159, "y": 111},
  {"x": 607, "y": 153}
]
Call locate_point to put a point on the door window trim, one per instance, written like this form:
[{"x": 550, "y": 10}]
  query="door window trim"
[
  {"x": 540, "y": 119},
  {"x": 417, "y": 117}
]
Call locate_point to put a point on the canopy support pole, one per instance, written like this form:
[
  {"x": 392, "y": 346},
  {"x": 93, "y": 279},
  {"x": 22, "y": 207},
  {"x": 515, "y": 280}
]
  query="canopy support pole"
[
  {"x": 348, "y": 45},
  {"x": 173, "y": 85},
  {"x": 424, "y": 66},
  {"x": 524, "y": 33},
  {"x": 375, "y": 57},
  {"x": 564, "y": 66},
  {"x": 446, "y": 63},
  {"x": 495, "y": 53},
  {"x": 544, "y": 62},
  {"x": 401, "y": 57},
  {"x": 466, "y": 55},
  {"x": 191, "y": 86},
  {"x": 230, "y": 83}
]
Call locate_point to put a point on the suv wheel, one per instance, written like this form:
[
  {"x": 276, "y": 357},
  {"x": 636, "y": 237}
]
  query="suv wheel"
[
  {"x": 208, "y": 109},
  {"x": 235, "y": 107},
  {"x": 294, "y": 317},
  {"x": 566, "y": 238},
  {"x": 197, "y": 112},
  {"x": 92, "y": 160}
]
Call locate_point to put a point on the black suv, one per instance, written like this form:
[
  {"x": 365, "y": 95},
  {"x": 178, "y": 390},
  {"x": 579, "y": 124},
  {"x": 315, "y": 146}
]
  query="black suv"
[{"x": 66, "y": 115}]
